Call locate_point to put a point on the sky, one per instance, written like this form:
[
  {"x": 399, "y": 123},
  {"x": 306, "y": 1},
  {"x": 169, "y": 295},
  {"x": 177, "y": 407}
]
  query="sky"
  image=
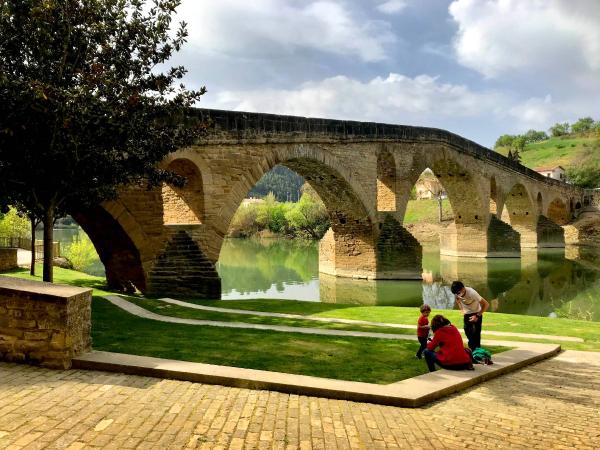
[{"x": 478, "y": 68}]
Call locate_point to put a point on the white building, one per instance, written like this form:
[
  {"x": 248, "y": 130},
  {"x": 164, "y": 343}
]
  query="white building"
[{"x": 557, "y": 172}]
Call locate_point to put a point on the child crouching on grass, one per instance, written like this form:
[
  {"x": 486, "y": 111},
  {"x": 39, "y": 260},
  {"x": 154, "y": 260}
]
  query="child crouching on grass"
[{"x": 423, "y": 329}]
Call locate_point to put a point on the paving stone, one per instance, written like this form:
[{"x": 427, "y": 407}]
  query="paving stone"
[{"x": 552, "y": 404}]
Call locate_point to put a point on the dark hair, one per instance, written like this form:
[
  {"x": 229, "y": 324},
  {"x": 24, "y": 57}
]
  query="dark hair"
[
  {"x": 424, "y": 308},
  {"x": 438, "y": 322},
  {"x": 456, "y": 287}
]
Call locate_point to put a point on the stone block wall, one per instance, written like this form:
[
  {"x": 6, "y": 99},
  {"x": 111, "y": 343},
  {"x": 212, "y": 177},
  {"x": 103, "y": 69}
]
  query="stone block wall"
[
  {"x": 8, "y": 258},
  {"x": 43, "y": 323},
  {"x": 183, "y": 269}
]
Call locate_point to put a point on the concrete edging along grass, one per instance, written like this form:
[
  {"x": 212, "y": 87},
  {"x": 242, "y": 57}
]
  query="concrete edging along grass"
[{"x": 413, "y": 392}]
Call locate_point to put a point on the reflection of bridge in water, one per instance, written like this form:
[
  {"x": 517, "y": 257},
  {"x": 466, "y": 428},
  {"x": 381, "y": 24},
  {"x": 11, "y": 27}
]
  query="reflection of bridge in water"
[{"x": 537, "y": 284}]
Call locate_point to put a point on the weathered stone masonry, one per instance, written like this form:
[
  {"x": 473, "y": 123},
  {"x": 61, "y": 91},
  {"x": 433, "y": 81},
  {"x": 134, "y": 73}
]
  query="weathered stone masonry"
[
  {"x": 363, "y": 172},
  {"x": 42, "y": 323}
]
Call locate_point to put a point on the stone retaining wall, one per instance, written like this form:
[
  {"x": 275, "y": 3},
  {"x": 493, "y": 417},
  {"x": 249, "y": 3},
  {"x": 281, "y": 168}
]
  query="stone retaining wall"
[
  {"x": 8, "y": 258},
  {"x": 43, "y": 323}
]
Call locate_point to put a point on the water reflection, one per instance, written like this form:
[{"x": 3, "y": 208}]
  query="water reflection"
[{"x": 547, "y": 283}]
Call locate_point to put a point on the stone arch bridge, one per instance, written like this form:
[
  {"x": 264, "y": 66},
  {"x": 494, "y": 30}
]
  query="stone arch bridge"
[{"x": 168, "y": 240}]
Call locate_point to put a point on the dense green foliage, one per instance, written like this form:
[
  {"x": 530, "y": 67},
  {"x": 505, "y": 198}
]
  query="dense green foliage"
[
  {"x": 560, "y": 129},
  {"x": 80, "y": 252},
  {"x": 84, "y": 108},
  {"x": 585, "y": 175},
  {"x": 12, "y": 224},
  {"x": 307, "y": 218},
  {"x": 284, "y": 183}
]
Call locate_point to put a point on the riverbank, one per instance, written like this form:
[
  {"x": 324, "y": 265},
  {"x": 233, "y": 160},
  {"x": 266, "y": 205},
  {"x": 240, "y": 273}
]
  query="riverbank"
[{"x": 588, "y": 332}]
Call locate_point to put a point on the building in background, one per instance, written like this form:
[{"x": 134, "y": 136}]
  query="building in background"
[{"x": 556, "y": 173}]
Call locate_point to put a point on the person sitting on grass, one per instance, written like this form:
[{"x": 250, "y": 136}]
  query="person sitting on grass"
[{"x": 452, "y": 354}]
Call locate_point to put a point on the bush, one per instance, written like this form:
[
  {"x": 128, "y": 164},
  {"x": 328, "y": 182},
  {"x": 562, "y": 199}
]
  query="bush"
[
  {"x": 244, "y": 222},
  {"x": 81, "y": 252}
]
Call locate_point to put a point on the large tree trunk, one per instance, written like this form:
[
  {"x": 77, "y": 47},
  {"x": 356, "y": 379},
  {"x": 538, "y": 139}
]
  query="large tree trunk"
[
  {"x": 48, "y": 244},
  {"x": 33, "y": 223}
]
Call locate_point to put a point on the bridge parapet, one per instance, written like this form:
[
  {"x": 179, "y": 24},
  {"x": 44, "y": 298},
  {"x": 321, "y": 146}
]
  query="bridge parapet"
[{"x": 237, "y": 127}]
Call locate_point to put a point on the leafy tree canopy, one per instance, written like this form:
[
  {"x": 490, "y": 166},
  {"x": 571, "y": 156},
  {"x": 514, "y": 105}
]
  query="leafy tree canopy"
[
  {"x": 84, "y": 105},
  {"x": 585, "y": 176},
  {"x": 583, "y": 125},
  {"x": 560, "y": 129}
]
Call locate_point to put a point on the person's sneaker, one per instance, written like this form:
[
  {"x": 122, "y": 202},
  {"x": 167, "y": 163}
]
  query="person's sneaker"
[{"x": 419, "y": 356}]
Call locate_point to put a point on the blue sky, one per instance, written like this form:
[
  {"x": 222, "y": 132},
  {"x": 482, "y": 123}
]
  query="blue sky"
[{"x": 479, "y": 68}]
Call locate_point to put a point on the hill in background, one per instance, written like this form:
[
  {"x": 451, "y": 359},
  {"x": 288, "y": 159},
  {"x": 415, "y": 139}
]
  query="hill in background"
[{"x": 566, "y": 151}]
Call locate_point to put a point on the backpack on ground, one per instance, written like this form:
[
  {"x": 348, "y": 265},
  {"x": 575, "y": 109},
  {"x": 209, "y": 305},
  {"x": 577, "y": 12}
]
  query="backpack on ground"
[{"x": 481, "y": 356}]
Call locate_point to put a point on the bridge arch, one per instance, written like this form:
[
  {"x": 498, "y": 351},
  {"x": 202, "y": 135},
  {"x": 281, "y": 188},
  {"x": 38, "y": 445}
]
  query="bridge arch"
[
  {"x": 118, "y": 241},
  {"x": 349, "y": 247},
  {"x": 520, "y": 207}
]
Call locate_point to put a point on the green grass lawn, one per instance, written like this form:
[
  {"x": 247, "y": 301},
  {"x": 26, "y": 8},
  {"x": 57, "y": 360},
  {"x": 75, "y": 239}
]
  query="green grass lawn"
[
  {"x": 419, "y": 211},
  {"x": 369, "y": 360},
  {"x": 589, "y": 331}
]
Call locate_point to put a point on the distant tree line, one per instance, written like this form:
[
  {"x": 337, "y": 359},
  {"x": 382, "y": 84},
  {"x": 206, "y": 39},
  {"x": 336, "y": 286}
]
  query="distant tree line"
[{"x": 285, "y": 184}]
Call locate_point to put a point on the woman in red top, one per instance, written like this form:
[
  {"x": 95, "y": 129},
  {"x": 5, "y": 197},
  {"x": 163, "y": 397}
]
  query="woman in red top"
[{"x": 452, "y": 354}]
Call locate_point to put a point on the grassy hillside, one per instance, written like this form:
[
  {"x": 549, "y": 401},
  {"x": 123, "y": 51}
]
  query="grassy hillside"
[
  {"x": 418, "y": 211},
  {"x": 566, "y": 151}
]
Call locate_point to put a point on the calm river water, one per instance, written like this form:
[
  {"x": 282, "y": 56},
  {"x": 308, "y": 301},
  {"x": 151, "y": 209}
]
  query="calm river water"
[{"x": 550, "y": 283}]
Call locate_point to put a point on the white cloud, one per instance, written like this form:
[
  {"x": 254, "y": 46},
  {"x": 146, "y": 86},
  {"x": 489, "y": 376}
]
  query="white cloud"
[
  {"x": 392, "y": 6},
  {"x": 420, "y": 100},
  {"x": 536, "y": 113},
  {"x": 271, "y": 29},
  {"x": 544, "y": 38}
]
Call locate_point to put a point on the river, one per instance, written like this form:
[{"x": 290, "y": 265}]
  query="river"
[{"x": 555, "y": 283}]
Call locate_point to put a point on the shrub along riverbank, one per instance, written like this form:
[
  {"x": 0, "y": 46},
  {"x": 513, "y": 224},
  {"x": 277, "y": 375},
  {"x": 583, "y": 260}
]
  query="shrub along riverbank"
[{"x": 306, "y": 218}]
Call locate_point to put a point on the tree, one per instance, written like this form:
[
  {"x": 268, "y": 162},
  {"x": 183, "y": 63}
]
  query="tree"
[
  {"x": 583, "y": 125},
  {"x": 284, "y": 183},
  {"x": 560, "y": 129},
  {"x": 84, "y": 108},
  {"x": 309, "y": 215},
  {"x": 585, "y": 175},
  {"x": 535, "y": 136},
  {"x": 505, "y": 140},
  {"x": 518, "y": 145}
]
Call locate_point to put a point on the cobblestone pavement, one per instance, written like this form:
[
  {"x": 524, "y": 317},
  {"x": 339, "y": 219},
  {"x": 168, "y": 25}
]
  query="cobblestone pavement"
[{"x": 553, "y": 404}]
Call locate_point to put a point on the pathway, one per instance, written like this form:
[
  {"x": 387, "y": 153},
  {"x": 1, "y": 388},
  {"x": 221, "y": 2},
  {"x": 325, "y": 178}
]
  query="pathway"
[
  {"x": 141, "y": 312},
  {"x": 550, "y": 405},
  {"x": 144, "y": 313}
]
